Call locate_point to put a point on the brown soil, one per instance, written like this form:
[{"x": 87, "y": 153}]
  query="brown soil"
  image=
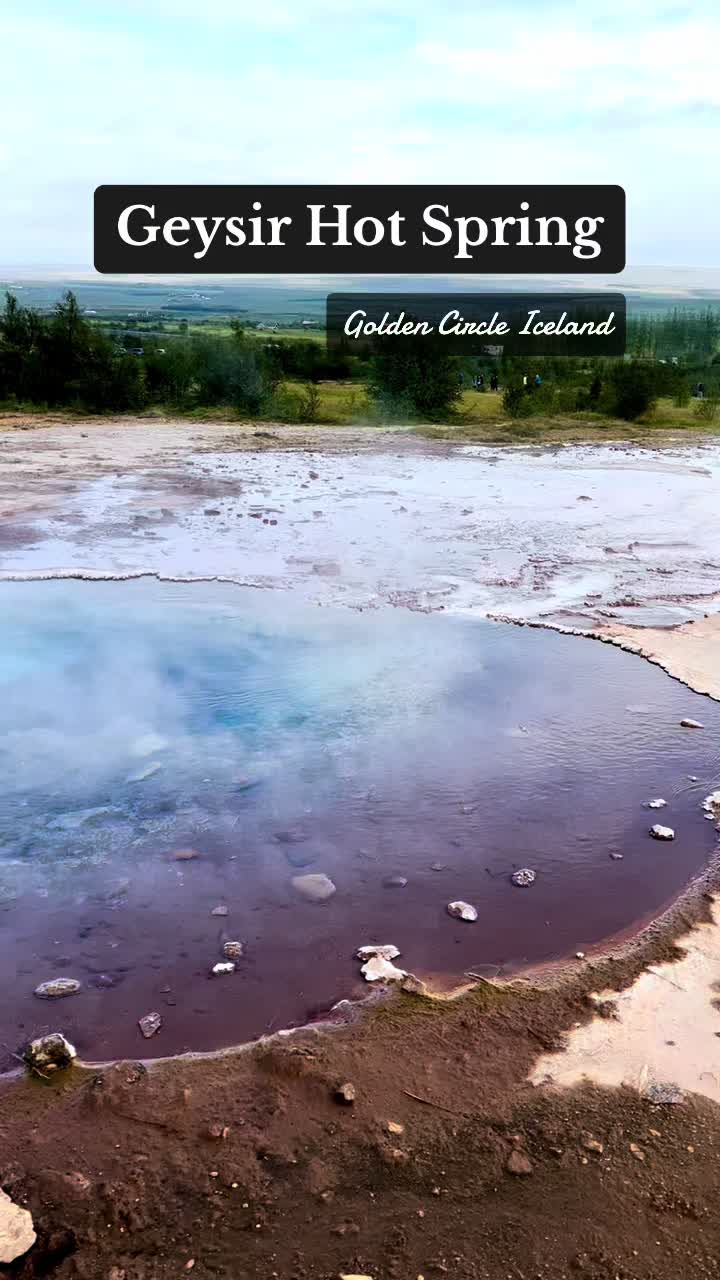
[{"x": 247, "y": 1165}]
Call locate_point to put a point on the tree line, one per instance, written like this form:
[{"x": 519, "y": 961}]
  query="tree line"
[{"x": 61, "y": 359}]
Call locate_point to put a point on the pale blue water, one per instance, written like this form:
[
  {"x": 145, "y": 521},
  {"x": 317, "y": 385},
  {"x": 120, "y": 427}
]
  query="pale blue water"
[{"x": 138, "y": 718}]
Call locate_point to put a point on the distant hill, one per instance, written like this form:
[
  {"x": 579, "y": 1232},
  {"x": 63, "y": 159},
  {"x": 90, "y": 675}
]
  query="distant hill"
[{"x": 288, "y": 299}]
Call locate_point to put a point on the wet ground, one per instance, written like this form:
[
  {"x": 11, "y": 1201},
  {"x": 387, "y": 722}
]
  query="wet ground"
[
  {"x": 577, "y": 535},
  {"x": 276, "y": 739}
]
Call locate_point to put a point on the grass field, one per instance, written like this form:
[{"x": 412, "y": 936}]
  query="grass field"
[{"x": 480, "y": 417}]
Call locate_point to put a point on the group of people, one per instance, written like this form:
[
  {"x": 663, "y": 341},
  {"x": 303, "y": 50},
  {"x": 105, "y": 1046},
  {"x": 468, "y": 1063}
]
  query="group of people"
[{"x": 479, "y": 381}]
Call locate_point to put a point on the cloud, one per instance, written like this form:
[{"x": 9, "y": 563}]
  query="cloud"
[{"x": 400, "y": 91}]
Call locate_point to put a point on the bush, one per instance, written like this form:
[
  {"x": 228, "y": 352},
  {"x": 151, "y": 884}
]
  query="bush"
[
  {"x": 414, "y": 378},
  {"x": 516, "y": 401},
  {"x": 631, "y": 391}
]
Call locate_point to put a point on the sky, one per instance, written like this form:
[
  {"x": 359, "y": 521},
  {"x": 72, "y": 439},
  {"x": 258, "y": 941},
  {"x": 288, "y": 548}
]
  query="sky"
[{"x": 227, "y": 91}]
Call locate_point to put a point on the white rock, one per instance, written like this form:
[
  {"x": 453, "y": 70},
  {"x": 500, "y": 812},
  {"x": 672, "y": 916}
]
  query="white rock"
[
  {"x": 150, "y": 1024},
  {"x": 523, "y": 877},
  {"x": 378, "y": 969},
  {"x": 711, "y": 803},
  {"x": 316, "y": 887},
  {"x": 385, "y": 950},
  {"x": 56, "y": 988},
  {"x": 223, "y": 966},
  {"x": 233, "y": 950},
  {"x": 462, "y": 911},
  {"x": 17, "y": 1233},
  {"x": 689, "y": 723},
  {"x": 662, "y": 833},
  {"x": 50, "y": 1053},
  {"x": 656, "y": 804}
]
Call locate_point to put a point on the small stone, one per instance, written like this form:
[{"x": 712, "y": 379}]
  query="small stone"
[
  {"x": 347, "y": 1275},
  {"x": 462, "y": 911},
  {"x": 665, "y": 1094},
  {"x": 394, "y": 1127},
  {"x": 346, "y": 1094},
  {"x": 150, "y": 1024},
  {"x": 579, "y": 955},
  {"x": 219, "y": 911},
  {"x": 223, "y": 966},
  {"x": 49, "y": 1054},
  {"x": 656, "y": 804},
  {"x": 218, "y": 1131},
  {"x": 636, "y": 1151},
  {"x": 233, "y": 950},
  {"x": 438, "y": 866},
  {"x": 659, "y": 832},
  {"x": 518, "y": 1164},
  {"x": 592, "y": 1144},
  {"x": 299, "y": 857},
  {"x": 616, "y": 857},
  {"x": 57, "y": 988},
  {"x": 315, "y": 887},
  {"x": 395, "y": 882},
  {"x": 688, "y": 723},
  {"x": 185, "y": 855},
  {"x": 17, "y": 1233},
  {"x": 292, "y": 835},
  {"x": 523, "y": 877}
]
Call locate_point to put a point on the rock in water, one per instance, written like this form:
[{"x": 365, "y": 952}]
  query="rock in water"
[
  {"x": 689, "y": 723},
  {"x": 233, "y": 950},
  {"x": 659, "y": 832},
  {"x": 395, "y": 882},
  {"x": 223, "y": 966},
  {"x": 150, "y": 1024},
  {"x": 315, "y": 887},
  {"x": 523, "y": 877},
  {"x": 378, "y": 969},
  {"x": 49, "y": 1053},
  {"x": 56, "y": 988},
  {"x": 462, "y": 911},
  {"x": 17, "y": 1233},
  {"x": 386, "y": 950},
  {"x": 656, "y": 804}
]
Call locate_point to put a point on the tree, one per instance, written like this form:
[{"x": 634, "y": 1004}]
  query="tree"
[
  {"x": 415, "y": 377},
  {"x": 631, "y": 390}
]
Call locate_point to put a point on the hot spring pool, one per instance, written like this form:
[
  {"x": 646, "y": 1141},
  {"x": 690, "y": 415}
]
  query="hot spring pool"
[{"x": 277, "y": 740}]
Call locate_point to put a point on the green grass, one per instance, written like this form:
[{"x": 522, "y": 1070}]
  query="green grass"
[{"x": 480, "y": 417}]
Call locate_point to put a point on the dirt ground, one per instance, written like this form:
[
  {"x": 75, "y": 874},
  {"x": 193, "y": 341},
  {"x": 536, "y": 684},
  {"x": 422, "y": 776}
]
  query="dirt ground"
[{"x": 449, "y": 1162}]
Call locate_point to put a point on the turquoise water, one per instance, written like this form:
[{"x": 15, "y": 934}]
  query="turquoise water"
[{"x": 274, "y": 739}]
